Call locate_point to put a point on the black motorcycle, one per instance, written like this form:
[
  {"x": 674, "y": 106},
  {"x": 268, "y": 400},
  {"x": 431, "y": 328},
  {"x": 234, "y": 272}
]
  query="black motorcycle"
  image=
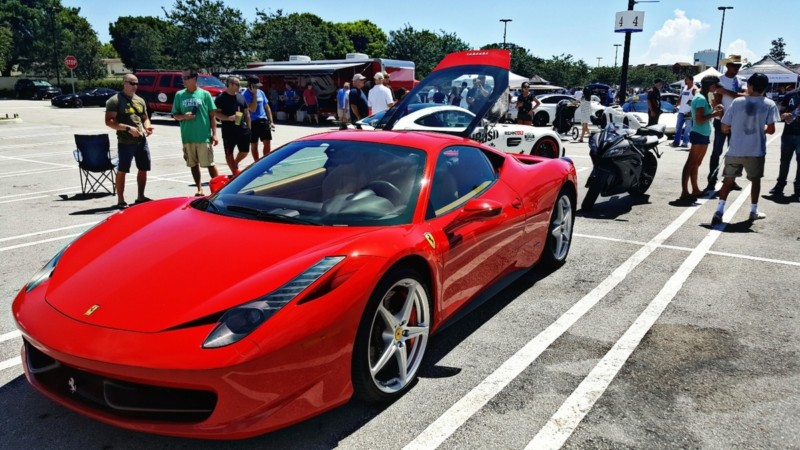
[{"x": 624, "y": 160}]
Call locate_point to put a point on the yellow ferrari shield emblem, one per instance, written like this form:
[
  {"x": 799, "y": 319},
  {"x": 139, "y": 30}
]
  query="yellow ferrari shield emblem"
[
  {"x": 429, "y": 238},
  {"x": 91, "y": 310}
]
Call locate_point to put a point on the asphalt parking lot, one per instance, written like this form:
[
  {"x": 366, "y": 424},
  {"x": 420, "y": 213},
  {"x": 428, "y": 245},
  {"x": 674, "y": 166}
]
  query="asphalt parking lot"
[{"x": 659, "y": 332}]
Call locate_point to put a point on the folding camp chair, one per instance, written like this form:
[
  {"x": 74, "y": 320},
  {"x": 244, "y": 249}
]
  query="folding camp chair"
[{"x": 95, "y": 165}]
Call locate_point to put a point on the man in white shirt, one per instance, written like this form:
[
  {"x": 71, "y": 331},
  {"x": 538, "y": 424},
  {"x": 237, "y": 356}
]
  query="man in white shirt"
[
  {"x": 683, "y": 126},
  {"x": 380, "y": 97},
  {"x": 729, "y": 89}
]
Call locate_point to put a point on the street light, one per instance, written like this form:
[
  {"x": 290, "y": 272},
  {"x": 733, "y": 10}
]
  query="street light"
[
  {"x": 505, "y": 25},
  {"x": 719, "y": 47},
  {"x": 598, "y": 60},
  {"x": 616, "y": 50}
]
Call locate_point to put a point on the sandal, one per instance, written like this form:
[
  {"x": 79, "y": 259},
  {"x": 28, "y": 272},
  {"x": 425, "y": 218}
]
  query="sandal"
[
  {"x": 142, "y": 200},
  {"x": 122, "y": 205}
]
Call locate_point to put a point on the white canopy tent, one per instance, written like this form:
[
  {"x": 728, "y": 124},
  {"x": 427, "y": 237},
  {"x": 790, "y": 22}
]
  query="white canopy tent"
[
  {"x": 710, "y": 71},
  {"x": 514, "y": 81},
  {"x": 776, "y": 71}
]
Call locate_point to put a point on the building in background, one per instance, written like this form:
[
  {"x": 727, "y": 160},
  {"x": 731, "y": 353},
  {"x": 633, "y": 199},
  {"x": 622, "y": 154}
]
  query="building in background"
[{"x": 707, "y": 57}]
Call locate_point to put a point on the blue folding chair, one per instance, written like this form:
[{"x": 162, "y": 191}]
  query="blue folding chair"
[{"x": 95, "y": 164}]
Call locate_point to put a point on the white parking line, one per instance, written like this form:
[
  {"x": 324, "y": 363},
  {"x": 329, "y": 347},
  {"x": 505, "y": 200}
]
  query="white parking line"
[
  {"x": 43, "y": 241},
  {"x": 52, "y": 230},
  {"x": 561, "y": 425},
  {"x": 9, "y": 363},
  {"x": 10, "y": 335},
  {"x": 466, "y": 407}
]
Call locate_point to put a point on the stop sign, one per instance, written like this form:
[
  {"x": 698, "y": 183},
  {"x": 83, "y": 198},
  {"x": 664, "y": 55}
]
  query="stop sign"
[{"x": 71, "y": 62}]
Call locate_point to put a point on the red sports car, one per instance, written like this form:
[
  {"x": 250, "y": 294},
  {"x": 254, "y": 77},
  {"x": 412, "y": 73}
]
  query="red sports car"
[{"x": 318, "y": 273}]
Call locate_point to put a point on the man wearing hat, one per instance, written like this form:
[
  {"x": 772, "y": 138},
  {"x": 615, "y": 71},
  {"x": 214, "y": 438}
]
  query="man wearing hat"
[
  {"x": 654, "y": 102},
  {"x": 262, "y": 122},
  {"x": 380, "y": 97},
  {"x": 729, "y": 88},
  {"x": 358, "y": 101}
]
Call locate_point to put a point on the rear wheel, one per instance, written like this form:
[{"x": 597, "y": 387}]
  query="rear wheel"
[
  {"x": 649, "y": 168},
  {"x": 559, "y": 235},
  {"x": 541, "y": 119},
  {"x": 78, "y": 103},
  {"x": 392, "y": 337},
  {"x": 547, "y": 147}
]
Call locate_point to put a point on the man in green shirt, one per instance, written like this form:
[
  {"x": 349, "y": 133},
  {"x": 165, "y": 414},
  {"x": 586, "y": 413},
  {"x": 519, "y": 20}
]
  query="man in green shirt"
[
  {"x": 194, "y": 109},
  {"x": 126, "y": 112}
]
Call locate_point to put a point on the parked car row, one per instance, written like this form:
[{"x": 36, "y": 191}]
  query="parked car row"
[
  {"x": 86, "y": 97},
  {"x": 35, "y": 89}
]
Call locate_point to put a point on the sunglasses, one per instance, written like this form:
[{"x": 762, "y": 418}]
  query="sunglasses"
[
  {"x": 132, "y": 83},
  {"x": 189, "y": 77}
]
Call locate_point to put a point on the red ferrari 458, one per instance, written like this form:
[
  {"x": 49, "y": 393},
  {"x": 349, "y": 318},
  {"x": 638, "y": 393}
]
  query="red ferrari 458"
[{"x": 318, "y": 273}]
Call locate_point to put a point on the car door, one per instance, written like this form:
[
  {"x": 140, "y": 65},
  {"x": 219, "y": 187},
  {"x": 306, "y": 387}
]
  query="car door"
[{"x": 478, "y": 252}]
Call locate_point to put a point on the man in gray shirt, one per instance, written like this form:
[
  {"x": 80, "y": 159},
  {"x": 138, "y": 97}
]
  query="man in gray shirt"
[{"x": 748, "y": 120}]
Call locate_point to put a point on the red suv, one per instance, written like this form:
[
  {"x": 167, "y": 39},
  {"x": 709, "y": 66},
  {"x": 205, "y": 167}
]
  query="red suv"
[{"x": 158, "y": 88}]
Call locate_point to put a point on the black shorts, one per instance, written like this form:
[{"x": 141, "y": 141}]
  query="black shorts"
[
  {"x": 235, "y": 139},
  {"x": 311, "y": 109},
  {"x": 261, "y": 131},
  {"x": 127, "y": 152}
]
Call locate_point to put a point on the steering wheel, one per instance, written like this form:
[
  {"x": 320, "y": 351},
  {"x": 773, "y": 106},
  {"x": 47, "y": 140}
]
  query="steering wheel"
[{"x": 386, "y": 190}]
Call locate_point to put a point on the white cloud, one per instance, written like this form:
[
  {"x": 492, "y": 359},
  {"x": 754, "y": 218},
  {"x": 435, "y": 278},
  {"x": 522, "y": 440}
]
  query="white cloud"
[
  {"x": 739, "y": 47},
  {"x": 675, "y": 41}
]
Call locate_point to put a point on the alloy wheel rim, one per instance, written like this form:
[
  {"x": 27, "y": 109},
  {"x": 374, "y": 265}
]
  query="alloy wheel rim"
[
  {"x": 561, "y": 228},
  {"x": 398, "y": 336}
]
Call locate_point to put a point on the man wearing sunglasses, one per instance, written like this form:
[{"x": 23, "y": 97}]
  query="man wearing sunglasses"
[
  {"x": 195, "y": 110},
  {"x": 126, "y": 112}
]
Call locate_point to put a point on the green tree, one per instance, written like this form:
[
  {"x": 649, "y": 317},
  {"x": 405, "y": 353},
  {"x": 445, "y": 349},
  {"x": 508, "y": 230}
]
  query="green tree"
[
  {"x": 778, "y": 52},
  {"x": 365, "y": 37},
  {"x": 107, "y": 51},
  {"x": 522, "y": 62},
  {"x": 208, "y": 34},
  {"x": 141, "y": 42},
  {"x": 6, "y": 44},
  {"x": 563, "y": 70},
  {"x": 277, "y": 36},
  {"x": 424, "y": 47}
]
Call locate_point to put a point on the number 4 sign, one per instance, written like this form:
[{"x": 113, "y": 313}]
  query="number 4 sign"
[{"x": 629, "y": 22}]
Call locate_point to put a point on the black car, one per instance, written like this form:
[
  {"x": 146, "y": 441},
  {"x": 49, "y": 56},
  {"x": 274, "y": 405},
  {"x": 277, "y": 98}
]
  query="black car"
[
  {"x": 87, "y": 97},
  {"x": 35, "y": 89}
]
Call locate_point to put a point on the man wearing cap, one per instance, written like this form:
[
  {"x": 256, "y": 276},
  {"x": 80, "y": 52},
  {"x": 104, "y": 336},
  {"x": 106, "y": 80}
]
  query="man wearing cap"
[
  {"x": 727, "y": 91},
  {"x": 380, "y": 97},
  {"x": 358, "y": 101},
  {"x": 262, "y": 122},
  {"x": 654, "y": 102}
]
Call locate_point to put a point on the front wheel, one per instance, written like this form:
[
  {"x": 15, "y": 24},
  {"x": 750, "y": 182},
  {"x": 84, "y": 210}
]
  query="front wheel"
[
  {"x": 595, "y": 186},
  {"x": 559, "y": 235},
  {"x": 78, "y": 103},
  {"x": 547, "y": 147},
  {"x": 541, "y": 119},
  {"x": 647, "y": 176},
  {"x": 392, "y": 337}
]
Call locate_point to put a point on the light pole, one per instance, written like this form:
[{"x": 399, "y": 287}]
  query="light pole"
[
  {"x": 616, "y": 50},
  {"x": 719, "y": 47},
  {"x": 505, "y": 25},
  {"x": 598, "y": 60}
]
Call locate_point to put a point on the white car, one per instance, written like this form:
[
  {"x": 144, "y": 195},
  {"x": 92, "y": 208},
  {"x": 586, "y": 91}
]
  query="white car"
[
  {"x": 636, "y": 115},
  {"x": 510, "y": 138},
  {"x": 546, "y": 112}
]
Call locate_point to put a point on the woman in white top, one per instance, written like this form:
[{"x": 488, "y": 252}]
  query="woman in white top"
[{"x": 585, "y": 112}]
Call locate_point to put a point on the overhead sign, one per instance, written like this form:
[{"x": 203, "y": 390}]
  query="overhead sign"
[
  {"x": 71, "y": 62},
  {"x": 629, "y": 22}
]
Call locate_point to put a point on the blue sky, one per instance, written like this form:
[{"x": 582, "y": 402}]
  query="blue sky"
[{"x": 673, "y": 29}]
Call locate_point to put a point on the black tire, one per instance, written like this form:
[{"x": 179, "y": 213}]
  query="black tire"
[
  {"x": 592, "y": 193},
  {"x": 600, "y": 119},
  {"x": 649, "y": 168},
  {"x": 541, "y": 119},
  {"x": 400, "y": 290},
  {"x": 78, "y": 103},
  {"x": 559, "y": 232},
  {"x": 547, "y": 147}
]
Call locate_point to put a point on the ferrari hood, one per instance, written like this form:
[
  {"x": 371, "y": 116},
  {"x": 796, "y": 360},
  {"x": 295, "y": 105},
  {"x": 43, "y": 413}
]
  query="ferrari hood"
[
  {"x": 479, "y": 78},
  {"x": 163, "y": 264}
]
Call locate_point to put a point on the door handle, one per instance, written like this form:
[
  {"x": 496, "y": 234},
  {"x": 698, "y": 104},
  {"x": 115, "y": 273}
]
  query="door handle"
[{"x": 516, "y": 203}]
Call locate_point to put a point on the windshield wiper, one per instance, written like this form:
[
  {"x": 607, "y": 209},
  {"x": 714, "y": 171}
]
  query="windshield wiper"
[{"x": 266, "y": 215}]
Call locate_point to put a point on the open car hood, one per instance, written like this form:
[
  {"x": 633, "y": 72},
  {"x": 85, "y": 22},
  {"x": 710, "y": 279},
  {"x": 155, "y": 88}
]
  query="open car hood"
[{"x": 488, "y": 103}]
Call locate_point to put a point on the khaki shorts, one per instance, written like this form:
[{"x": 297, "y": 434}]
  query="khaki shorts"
[
  {"x": 754, "y": 166},
  {"x": 198, "y": 153}
]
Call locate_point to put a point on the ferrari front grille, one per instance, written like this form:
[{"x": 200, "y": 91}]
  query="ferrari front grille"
[{"x": 116, "y": 397}]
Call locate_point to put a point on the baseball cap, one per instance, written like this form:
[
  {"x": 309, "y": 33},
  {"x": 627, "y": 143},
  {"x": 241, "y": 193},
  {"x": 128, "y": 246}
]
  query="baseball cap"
[
  {"x": 253, "y": 81},
  {"x": 358, "y": 76},
  {"x": 378, "y": 76}
]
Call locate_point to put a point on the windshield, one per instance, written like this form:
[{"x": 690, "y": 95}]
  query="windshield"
[
  {"x": 41, "y": 83},
  {"x": 471, "y": 87},
  {"x": 209, "y": 81},
  {"x": 321, "y": 182}
]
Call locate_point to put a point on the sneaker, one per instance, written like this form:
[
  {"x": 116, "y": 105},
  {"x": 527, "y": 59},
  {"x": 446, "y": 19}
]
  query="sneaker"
[
  {"x": 717, "y": 219},
  {"x": 684, "y": 145},
  {"x": 736, "y": 187},
  {"x": 142, "y": 200},
  {"x": 777, "y": 190},
  {"x": 757, "y": 215},
  {"x": 122, "y": 205}
]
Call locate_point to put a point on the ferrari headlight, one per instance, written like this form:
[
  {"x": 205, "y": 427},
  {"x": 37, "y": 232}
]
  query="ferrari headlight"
[
  {"x": 240, "y": 321},
  {"x": 45, "y": 272}
]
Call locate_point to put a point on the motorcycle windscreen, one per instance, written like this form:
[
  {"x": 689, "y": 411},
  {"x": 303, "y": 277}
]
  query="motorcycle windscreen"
[{"x": 476, "y": 81}]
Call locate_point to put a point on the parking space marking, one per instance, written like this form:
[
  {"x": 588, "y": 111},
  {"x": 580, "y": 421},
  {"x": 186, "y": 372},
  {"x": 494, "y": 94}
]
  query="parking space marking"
[
  {"x": 10, "y": 335},
  {"x": 43, "y": 241},
  {"x": 9, "y": 363},
  {"x": 563, "y": 423},
  {"x": 443, "y": 427},
  {"x": 687, "y": 249},
  {"x": 52, "y": 230}
]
